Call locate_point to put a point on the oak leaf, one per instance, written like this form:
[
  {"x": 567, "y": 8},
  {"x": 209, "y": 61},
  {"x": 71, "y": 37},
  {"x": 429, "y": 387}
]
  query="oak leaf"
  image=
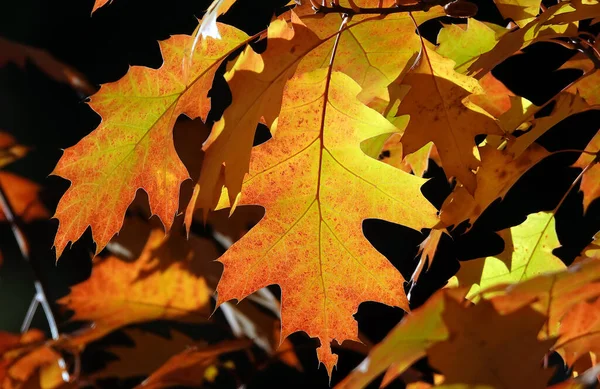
[
  {"x": 590, "y": 182},
  {"x": 480, "y": 339},
  {"x": 160, "y": 284},
  {"x": 520, "y": 11},
  {"x": 580, "y": 331},
  {"x": 256, "y": 82},
  {"x": 527, "y": 253},
  {"x": 148, "y": 353},
  {"x": 10, "y": 150},
  {"x": 439, "y": 114},
  {"x": 558, "y": 20},
  {"x": 23, "y": 196},
  {"x": 465, "y": 45},
  {"x": 27, "y": 359},
  {"x": 188, "y": 367},
  {"x": 372, "y": 49},
  {"x": 317, "y": 187},
  {"x": 552, "y": 294},
  {"x": 133, "y": 146},
  {"x": 498, "y": 172},
  {"x": 406, "y": 343}
]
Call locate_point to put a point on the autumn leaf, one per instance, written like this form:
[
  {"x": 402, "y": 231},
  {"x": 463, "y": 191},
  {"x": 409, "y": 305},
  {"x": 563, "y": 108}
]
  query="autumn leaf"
[
  {"x": 160, "y": 284},
  {"x": 406, "y": 343},
  {"x": 10, "y": 150},
  {"x": 498, "y": 172},
  {"x": 567, "y": 104},
  {"x": 552, "y": 294},
  {"x": 580, "y": 331},
  {"x": 188, "y": 367},
  {"x": 590, "y": 182},
  {"x": 465, "y": 45},
  {"x": 256, "y": 82},
  {"x": 372, "y": 49},
  {"x": 100, "y": 4},
  {"x": 527, "y": 253},
  {"x": 27, "y": 359},
  {"x": 23, "y": 196},
  {"x": 558, "y": 20},
  {"x": 520, "y": 11},
  {"x": 148, "y": 353},
  {"x": 133, "y": 146},
  {"x": 317, "y": 187},
  {"x": 438, "y": 114},
  {"x": 480, "y": 339}
]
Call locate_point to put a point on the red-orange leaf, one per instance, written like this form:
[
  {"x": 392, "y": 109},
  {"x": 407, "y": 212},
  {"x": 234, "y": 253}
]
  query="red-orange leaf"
[
  {"x": 317, "y": 187},
  {"x": 133, "y": 146},
  {"x": 159, "y": 285}
]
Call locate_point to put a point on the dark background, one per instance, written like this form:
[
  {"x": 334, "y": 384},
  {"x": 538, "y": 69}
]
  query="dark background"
[{"x": 49, "y": 116}]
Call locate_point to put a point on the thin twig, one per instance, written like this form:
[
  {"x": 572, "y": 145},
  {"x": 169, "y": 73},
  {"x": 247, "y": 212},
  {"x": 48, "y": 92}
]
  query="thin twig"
[
  {"x": 40, "y": 294},
  {"x": 336, "y": 8}
]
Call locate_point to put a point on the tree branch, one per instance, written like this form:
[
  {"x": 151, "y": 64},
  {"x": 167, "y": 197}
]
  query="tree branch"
[
  {"x": 40, "y": 295},
  {"x": 336, "y": 8}
]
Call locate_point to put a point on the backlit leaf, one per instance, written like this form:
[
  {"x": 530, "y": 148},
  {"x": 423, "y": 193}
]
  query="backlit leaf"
[
  {"x": 133, "y": 146},
  {"x": 480, "y": 338},
  {"x": 527, "y": 253},
  {"x": 465, "y": 45},
  {"x": 160, "y": 284},
  {"x": 590, "y": 182},
  {"x": 317, "y": 187},
  {"x": 498, "y": 172},
  {"x": 188, "y": 367},
  {"x": 438, "y": 114}
]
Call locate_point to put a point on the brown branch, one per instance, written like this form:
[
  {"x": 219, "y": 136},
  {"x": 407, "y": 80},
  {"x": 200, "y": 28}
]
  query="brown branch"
[{"x": 336, "y": 8}]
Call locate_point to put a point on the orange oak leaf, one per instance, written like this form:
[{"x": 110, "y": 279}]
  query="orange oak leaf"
[
  {"x": 160, "y": 284},
  {"x": 26, "y": 360},
  {"x": 23, "y": 196},
  {"x": 590, "y": 182},
  {"x": 317, "y": 187},
  {"x": 188, "y": 367},
  {"x": 480, "y": 338},
  {"x": 580, "y": 332},
  {"x": 406, "y": 343},
  {"x": 245, "y": 319},
  {"x": 438, "y": 113},
  {"x": 498, "y": 172},
  {"x": 373, "y": 50},
  {"x": 256, "y": 82},
  {"x": 133, "y": 146}
]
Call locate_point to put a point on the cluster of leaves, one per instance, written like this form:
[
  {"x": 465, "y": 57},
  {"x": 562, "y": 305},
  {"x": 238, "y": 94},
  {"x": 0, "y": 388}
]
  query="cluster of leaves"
[{"x": 358, "y": 104}]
